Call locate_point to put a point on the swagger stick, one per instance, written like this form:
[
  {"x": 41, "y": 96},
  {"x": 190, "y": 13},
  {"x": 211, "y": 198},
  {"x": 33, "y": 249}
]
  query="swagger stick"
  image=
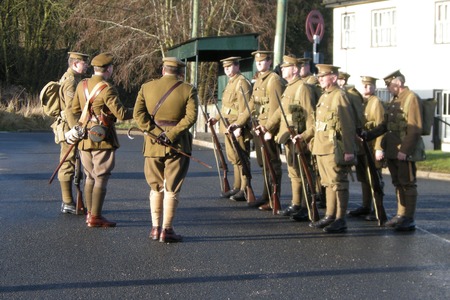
[{"x": 155, "y": 137}]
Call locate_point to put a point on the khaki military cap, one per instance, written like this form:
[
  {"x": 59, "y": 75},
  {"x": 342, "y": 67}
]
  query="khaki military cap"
[
  {"x": 304, "y": 60},
  {"x": 226, "y": 62},
  {"x": 173, "y": 62},
  {"x": 102, "y": 60},
  {"x": 343, "y": 75},
  {"x": 392, "y": 76},
  {"x": 325, "y": 69},
  {"x": 368, "y": 80},
  {"x": 262, "y": 55},
  {"x": 289, "y": 60},
  {"x": 78, "y": 55}
]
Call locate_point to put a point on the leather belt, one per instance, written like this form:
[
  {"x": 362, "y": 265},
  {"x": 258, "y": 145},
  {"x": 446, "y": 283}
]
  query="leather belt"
[{"x": 166, "y": 123}]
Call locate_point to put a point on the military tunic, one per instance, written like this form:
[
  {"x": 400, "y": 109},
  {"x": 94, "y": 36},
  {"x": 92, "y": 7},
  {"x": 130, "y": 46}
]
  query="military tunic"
[
  {"x": 175, "y": 116},
  {"x": 297, "y": 101},
  {"x": 314, "y": 83},
  {"x": 334, "y": 135},
  {"x": 402, "y": 127},
  {"x": 107, "y": 103},
  {"x": 266, "y": 89},
  {"x": 235, "y": 111},
  {"x": 69, "y": 82},
  {"x": 373, "y": 116}
]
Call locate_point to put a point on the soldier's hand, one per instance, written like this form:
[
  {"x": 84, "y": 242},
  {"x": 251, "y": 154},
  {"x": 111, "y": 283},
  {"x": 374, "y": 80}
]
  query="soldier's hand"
[
  {"x": 401, "y": 155},
  {"x": 267, "y": 136},
  {"x": 260, "y": 129},
  {"x": 349, "y": 156},
  {"x": 162, "y": 139},
  {"x": 232, "y": 127},
  {"x": 297, "y": 138},
  {"x": 212, "y": 121},
  {"x": 73, "y": 135},
  {"x": 237, "y": 132},
  {"x": 379, "y": 155}
]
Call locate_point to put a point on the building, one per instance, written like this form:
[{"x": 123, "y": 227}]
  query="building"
[{"x": 377, "y": 37}]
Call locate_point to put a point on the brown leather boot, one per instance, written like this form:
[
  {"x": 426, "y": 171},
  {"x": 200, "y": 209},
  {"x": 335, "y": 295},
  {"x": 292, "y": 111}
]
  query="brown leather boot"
[
  {"x": 155, "y": 233},
  {"x": 168, "y": 235},
  {"x": 99, "y": 221}
]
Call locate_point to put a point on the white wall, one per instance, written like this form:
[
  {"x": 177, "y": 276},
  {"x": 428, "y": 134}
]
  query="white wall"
[{"x": 425, "y": 65}]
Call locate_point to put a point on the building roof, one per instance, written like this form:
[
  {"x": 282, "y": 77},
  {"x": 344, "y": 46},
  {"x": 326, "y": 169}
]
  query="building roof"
[
  {"x": 216, "y": 48},
  {"x": 339, "y": 3}
]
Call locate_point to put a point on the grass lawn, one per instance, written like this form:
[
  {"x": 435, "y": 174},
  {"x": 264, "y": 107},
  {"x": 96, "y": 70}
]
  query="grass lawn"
[{"x": 437, "y": 161}]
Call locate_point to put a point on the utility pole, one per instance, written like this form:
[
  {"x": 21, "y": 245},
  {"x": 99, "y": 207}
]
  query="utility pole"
[{"x": 280, "y": 34}]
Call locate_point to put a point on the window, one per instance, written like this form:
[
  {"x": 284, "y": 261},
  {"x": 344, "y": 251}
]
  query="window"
[
  {"x": 348, "y": 39},
  {"x": 442, "y": 23},
  {"x": 384, "y": 31}
]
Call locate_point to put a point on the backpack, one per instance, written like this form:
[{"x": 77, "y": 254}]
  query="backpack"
[
  {"x": 428, "y": 113},
  {"x": 51, "y": 99}
]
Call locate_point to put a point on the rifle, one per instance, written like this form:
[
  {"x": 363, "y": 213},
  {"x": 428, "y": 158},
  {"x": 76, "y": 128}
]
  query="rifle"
[
  {"x": 376, "y": 184},
  {"x": 245, "y": 167},
  {"x": 155, "y": 137},
  {"x": 77, "y": 182},
  {"x": 224, "y": 184},
  {"x": 273, "y": 177},
  {"x": 313, "y": 212},
  {"x": 60, "y": 163}
]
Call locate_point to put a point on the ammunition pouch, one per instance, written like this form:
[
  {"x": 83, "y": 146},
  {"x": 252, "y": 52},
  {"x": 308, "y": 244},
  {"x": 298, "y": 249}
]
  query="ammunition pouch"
[{"x": 60, "y": 127}]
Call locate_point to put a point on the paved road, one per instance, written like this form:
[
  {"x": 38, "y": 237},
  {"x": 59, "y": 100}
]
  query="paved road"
[{"x": 229, "y": 252}]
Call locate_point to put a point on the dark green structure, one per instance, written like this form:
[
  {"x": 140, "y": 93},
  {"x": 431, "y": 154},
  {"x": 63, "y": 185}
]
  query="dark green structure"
[{"x": 213, "y": 49}]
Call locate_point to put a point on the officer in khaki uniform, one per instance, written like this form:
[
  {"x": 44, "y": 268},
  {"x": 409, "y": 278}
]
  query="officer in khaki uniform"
[
  {"x": 267, "y": 87},
  {"x": 334, "y": 147},
  {"x": 98, "y": 157},
  {"x": 403, "y": 146},
  {"x": 78, "y": 64},
  {"x": 297, "y": 101},
  {"x": 236, "y": 114},
  {"x": 374, "y": 116},
  {"x": 169, "y": 120}
]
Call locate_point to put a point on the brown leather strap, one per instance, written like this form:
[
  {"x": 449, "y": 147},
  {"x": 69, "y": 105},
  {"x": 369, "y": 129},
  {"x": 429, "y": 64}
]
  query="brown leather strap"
[
  {"x": 90, "y": 97},
  {"x": 166, "y": 123},
  {"x": 163, "y": 98}
]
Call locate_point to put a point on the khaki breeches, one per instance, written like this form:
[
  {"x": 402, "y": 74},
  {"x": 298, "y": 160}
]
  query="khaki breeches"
[{"x": 166, "y": 173}]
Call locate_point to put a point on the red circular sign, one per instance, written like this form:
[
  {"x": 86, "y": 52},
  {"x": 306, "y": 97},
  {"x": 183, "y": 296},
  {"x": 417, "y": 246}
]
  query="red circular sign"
[{"x": 315, "y": 25}]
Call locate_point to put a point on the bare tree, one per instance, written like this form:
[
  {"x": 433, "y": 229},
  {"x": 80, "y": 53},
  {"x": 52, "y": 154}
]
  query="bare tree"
[{"x": 29, "y": 30}]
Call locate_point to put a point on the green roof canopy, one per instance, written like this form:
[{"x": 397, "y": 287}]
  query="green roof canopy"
[{"x": 213, "y": 49}]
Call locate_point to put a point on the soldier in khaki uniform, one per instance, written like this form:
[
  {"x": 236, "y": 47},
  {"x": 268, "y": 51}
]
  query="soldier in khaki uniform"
[
  {"x": 309, "y": 78},
  {"x": 297, "y": 101},
  {"x": 78, "y": 64},
  {"x": 402, "y": 144},
  {"x": 334, "y": 147},
  {"x": 169, "y": 120},
  {"x": 236, "y": 114},
  {"x": 374, "y": 116},
  {"x": 267, "y": 87},
  {"x": 98, "y": 158}
]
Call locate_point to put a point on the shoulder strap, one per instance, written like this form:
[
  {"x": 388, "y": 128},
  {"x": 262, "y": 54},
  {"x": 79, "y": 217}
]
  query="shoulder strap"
[
  {"x": 164, "y": 97},
  {"x": 90, "y": 98}
]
